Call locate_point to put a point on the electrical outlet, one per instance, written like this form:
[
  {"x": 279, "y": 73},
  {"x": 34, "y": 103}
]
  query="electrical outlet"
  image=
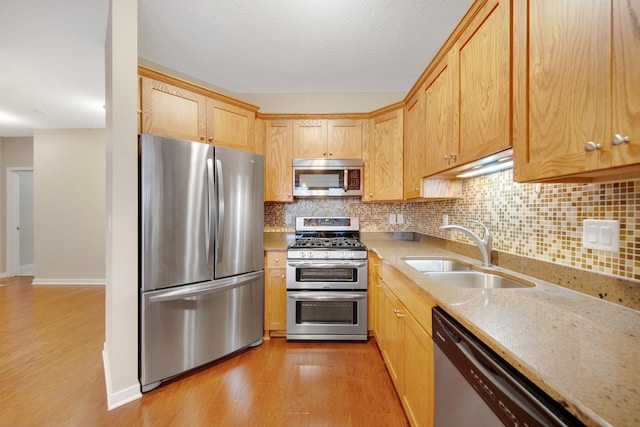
[
  {"x": 445, "y": 219},
  {"x": 400, "y": 218},
  {"x": 601, "y": 234},
  {"x": 392, "y": 218}
]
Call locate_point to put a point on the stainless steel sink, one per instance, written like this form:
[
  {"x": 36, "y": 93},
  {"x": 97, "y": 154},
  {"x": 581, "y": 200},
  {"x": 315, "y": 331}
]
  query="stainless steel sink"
[
  {"x": 476, "y": 279},
  {"x": 425, "y": 265}
]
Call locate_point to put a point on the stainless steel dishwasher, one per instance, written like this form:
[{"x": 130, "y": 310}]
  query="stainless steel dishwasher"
[{"x": 475, "y": 386}]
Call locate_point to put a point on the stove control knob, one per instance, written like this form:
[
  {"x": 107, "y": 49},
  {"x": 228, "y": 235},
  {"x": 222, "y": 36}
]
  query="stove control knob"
[
  {"x": 326, "y": 255},
  {"x": 350, "y": 254},
  {"x": 302, "y": 254}
]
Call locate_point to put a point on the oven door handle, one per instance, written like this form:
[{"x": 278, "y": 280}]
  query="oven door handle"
[
  {"x": 322, "y": 296},
  {"x": 326, "y": 265}
]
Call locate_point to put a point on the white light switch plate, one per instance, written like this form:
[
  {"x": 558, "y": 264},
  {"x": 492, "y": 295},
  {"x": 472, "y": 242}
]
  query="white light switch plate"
[
  {"x": 392, "y": 218},
  {"x": 601, "y": 234}
]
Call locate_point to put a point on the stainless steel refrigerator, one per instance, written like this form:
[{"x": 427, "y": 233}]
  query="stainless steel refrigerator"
[{"x": 201, "y": 255}]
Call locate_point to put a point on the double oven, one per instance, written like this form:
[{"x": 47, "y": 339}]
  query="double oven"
[{"x": 327, "y": 280}]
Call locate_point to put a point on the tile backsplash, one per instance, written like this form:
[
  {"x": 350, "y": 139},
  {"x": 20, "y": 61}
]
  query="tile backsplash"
[{"x": 540, "y": 221}]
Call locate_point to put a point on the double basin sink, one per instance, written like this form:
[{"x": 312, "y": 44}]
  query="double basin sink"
[{"x": 456, "y": 274}]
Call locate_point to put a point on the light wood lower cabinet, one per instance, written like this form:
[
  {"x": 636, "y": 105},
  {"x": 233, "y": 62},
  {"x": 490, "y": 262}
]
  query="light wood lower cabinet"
[
  {"x": 275, "y": 292},
  {"x": 407, "y": 346}
]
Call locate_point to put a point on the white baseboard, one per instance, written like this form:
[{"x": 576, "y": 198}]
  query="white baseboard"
[
  {"x": 3, "y": 275},
  {"x": 122, "y": 397},
  {"x": 39, "y": 281}
]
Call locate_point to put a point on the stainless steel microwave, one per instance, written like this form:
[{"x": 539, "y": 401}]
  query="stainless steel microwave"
[{"x": 327, "y": 177}]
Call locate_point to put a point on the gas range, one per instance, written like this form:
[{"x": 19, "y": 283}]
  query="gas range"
[
  {"x": 327, "y": 280},
  {"x": 327, "y": 238}
]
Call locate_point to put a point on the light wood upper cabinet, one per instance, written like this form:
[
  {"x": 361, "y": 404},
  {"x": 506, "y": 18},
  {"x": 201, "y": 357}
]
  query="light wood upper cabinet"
[
  {"x": 171, "y": 111},
  {"x": 278, "y": 161},
  {"x": 339, "y": 138},
  {"x": 384, "y": 160},
  {"x": 468, "y": 93},
  {"x": 344, "y": 138},
  {"x": 441, "y": 94},
  {"x": 176, "y": 109},
  {"x": 484, "y": 63},
  {"x": 414, "y": 146},
  {"x": 230, "y": 126},
  {"x": 577, "y": 85}
]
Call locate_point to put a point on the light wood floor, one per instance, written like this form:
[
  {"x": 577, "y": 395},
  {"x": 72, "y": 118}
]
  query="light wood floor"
[{"x": 51, "y": 374}]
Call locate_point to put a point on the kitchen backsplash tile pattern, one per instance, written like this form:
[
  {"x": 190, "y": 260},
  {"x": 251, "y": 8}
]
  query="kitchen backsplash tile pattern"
[{"x": 540, "y": 221}]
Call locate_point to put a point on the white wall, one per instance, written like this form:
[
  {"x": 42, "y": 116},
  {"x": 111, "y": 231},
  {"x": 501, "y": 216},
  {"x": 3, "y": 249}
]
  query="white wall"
[
  {"x": 120, "y": 353},
  {"x": 14, "y": 152},
  {"x": 69, "y": 206}
]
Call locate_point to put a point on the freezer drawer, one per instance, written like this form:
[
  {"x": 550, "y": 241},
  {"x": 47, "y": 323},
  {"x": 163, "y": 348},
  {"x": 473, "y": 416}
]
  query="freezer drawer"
[{"x": 188, "y": 326}]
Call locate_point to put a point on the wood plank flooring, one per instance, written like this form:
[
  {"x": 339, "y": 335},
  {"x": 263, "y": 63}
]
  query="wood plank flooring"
[{"x": 51, "y": 374}]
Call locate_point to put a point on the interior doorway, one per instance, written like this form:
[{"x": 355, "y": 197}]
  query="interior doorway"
[{"x": 20, "y": 259}]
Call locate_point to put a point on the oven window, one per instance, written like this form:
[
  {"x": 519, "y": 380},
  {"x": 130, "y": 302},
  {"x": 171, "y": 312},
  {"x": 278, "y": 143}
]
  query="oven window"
[
  {"x": 332, "y": 312},
  {"x": 344, "y": 275}
]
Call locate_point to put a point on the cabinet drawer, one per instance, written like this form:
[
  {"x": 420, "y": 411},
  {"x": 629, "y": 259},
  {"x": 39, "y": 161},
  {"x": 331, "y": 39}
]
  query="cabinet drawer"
[
  {"x": 276, "y": 259},
  {"x": 415, "y": 300}
]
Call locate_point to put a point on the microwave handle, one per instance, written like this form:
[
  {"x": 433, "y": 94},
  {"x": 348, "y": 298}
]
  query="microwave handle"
[{"x": 345, "y": 181}]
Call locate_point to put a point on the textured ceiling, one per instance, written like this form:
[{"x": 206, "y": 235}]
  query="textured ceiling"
[{"x": 52, "y": 53}]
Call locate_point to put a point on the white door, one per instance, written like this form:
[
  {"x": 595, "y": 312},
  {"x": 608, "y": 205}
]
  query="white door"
[{"x": 20, "y": 260}]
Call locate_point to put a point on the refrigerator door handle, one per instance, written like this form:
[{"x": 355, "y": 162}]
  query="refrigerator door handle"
[
  {"x": 220, "y": 202},
  {"x": 187, "y": 292},
  {"x": 207, "y": 236}
]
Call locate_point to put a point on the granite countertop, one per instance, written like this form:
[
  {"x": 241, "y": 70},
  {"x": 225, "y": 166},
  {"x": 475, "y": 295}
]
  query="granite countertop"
[{"x": 582, "y": 351}]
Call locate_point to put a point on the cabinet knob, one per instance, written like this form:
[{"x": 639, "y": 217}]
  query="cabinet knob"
[
  {"x": 202, "y": 137},
  {"x": 284, "y": 276},
  {"x": 324, "y": 153},
  {"x": 592, "y": 146},
  {"x": 452, "y": 156},
  {"x": 619, "y": 139},
  {"x": 277, "y": 259},
  {"x": 210, "y": 139},
  {"x": 446, "y": 157},
  {"x": 370, "y": 194},
  {"x": 330, "y": 153}
]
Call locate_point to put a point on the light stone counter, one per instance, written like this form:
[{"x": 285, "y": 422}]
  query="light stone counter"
[
  {"x": 277, "y": 241},
  {"x": 582, "y": 351}
]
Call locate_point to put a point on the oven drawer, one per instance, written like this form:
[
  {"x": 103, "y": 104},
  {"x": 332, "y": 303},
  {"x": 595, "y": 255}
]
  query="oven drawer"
[{"x": 320, "y": 315}]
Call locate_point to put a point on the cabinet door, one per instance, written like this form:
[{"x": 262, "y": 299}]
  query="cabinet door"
[
  {"x": 441, "y": 116},
  {"x": 380, "y": 301},
  {"x": 484, "y": 63},
  {"x": 385, "y": 157},
  {"x": 172, "y": 112},
  {"x": 418, "y": 373},
  {"x": 310, "y": 139},
  {"x": 278, "y": 161},
  {"x": 562, "y": 78},
  {"x": 275, "y": 300},
  {"x": 626, "y": 82},
  {"x": 344, "y": 139},
  {"x": 393, "y": 340},
  {"x": 372, "y": 283},
  {"x": 275, "y": 295},
  {"x": 415, "y": 150},
  {"x": 230, "y": 126}
]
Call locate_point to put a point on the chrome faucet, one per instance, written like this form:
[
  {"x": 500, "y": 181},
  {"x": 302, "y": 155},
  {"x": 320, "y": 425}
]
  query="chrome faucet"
[{"x": 484, "y": 243}]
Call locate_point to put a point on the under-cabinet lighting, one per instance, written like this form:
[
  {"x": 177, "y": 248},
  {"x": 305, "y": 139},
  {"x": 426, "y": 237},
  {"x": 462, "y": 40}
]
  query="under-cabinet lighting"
[{"x": 499, "y": 165}]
